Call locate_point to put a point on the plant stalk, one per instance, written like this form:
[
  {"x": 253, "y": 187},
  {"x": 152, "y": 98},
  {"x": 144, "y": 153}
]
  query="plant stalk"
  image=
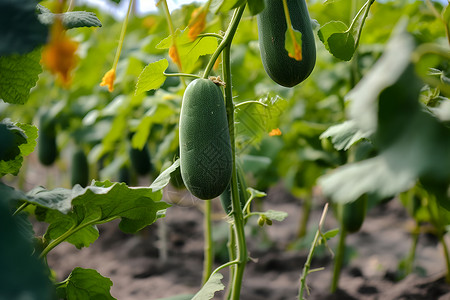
[
  {"x": 339, "y": 260},
  {"x": 208, "y": 240}
]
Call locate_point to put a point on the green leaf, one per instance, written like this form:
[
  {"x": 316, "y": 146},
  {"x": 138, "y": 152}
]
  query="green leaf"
[
  {"x": 344, "y": 135},
  {"x": 330, "y": 233},
  {"x": 78, "y": 210},
  {"x": 179, "y": 297},
  {"x": 18, "y": 74},
  {"x": 72, "y": 19},
  {"x": 274, "y": 215},
  {"x": 20, "y": 29},
  {"x": 163, "y": 179},
  {"x": 291, "y": 44},
  {"x": 188, "y": 50},
  {"x": 152, "y": 77},
  {"x": 23, "y": 275},
  {"x": 213, "y": 285},
  {"x": 412, "y": 144},
  {"x": 16, "y": 141},
  {"x": 329, "y": 29},
  {"x": 256, "y": 6},
  {"x": 256, "y": 119},
  {"x": 85, "y": 284}
]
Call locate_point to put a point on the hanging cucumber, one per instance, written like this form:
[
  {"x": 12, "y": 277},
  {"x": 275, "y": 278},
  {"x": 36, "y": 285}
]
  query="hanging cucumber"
[
  {"x": 140, "y": 160},
  {"x": 47, "y": 150},
  {"x": 272, "y": 30},
  {"x": 80, "y": 168},
  {"x": 225, "y": 197},
  {"x": 205, "y": 146},
  {"x": 351, "y": 215}
]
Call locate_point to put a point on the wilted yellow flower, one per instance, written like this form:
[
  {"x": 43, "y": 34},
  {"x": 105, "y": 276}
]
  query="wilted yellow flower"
[
  {"x": 59, "y": 54},
  {"x": 275, "y": 132},
  {"x": 173, "y": 54},
  {"x": 108, "y": 79},
  {"x": 197, "y": 23}
]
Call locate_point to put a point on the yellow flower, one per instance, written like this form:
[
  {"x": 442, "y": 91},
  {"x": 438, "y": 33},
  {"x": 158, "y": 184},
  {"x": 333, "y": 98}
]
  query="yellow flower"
[
  {"x": 59, "y": 54},
  {"x": 197, "y": 23},
  {"x": 173, "y": 54},
  {"x": 275, "y": 132},
  {"x": 108, "y": 80}
]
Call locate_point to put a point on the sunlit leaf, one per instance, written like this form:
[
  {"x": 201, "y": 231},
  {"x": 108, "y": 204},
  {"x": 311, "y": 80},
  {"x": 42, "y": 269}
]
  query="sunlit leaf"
[
  {"x": 225, "y": 5},
  {"x": 163, "y": 179},
  {"x": 152, "y": 77},
  {"x": 256, "y": 6},
  {"x": 293, "y": 44}
]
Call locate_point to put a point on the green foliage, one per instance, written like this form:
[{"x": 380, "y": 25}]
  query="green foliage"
[
  {"x": 17, "y": 140},
  {"x": 85, "y": 284},
  {"x": 18, "y": 74},
  {"x": 152, "y": 76}
]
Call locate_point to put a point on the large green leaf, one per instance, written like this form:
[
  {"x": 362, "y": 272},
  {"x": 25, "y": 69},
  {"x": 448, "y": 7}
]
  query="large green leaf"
[
  {"x": 80, "y": 209},
  {"x": 71, "y": 19},
  {"x": 85, "y": 284},
  {"x": 152, "y": 77},
  {"x": 412, "y": 144},
  {"x": 20, "y": 29},
  {"x": 18, "y": 74},
  {"x": 344, "y": 135}
]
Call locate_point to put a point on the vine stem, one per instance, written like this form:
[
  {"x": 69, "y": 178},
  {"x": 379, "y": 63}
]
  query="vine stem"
[
  {"x": 237, "y": 214},
  {"x": 307, "y": 266},
  {"x": 122, "y": 35},
  {"x": 209, "y": 251},
  {"x": 339, "y": 260}
]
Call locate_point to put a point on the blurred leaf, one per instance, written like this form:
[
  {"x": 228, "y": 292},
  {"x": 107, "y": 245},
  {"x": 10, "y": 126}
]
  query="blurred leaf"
[
  {"x": 179, "y": 297},
  {"x": 214, "y": 284},
  {"x": 16, "y": 141},
  {"x": 275, "y": 215},
  {"x": 189, "y": 51},
  {"x": 85, "y": 284},
  {"x": 256, "y": 6},
  {"x": 23, "y": 275},
  {"x": 331, "y": 233},
  {"x": 412, "y": 143},
  {"x": 152, "y": 77},
  {"x": 164, "y": 178},
  {"x": 71, "y": 19},
  {"x": 18, "y": 74},
  {"x": 344, "y": 135},
  {"x": 20, "y": 29}
]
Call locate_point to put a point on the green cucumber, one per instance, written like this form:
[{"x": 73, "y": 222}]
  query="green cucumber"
[
  {"x": 80, "y": 168},
  {"x": 351, "y": 215},
  {"x": 225, "y": 197},
  {"x": 47, "y": 149},
  {"x": 205, "y": 147},
  {"x": 272, "y": 27},
  {"x": 140, "y": 160}
]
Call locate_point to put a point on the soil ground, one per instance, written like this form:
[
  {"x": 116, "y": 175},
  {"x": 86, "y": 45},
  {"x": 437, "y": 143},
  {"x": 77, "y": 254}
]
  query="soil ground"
[{"x": 165, "y": 259}]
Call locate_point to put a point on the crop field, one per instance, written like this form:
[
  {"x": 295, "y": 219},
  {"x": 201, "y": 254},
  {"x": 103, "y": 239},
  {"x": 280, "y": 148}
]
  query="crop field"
[{"x": 225, "y": 149}]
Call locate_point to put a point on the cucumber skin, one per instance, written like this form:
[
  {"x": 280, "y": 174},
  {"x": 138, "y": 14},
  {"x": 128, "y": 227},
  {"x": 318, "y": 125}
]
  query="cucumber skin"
[
  {"x": 351, "y": 215},
  {"x": 80, "y": 168},
  {"x": 225, "y": 197},
  {"x": 141, "y": 160},
  {"x": 285, "y": 70},
  {"x": 205, "y": 147},
  {"x": 47, "y": 149}
]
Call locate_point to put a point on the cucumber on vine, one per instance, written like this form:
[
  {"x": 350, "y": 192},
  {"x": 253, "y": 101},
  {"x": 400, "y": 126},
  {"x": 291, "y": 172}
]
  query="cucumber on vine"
[
  {"x": 47, "y": 148},
  {"x": 79, "y": 168},
  {"x": 140, "y": 160},
  {"x": 272, "y": 29},
  {"x": 205, "y": 146}
]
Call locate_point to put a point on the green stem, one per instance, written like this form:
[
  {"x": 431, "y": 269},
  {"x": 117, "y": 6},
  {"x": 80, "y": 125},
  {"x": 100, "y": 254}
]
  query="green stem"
[
  {"x": 226, "y": 41},
  {"x": 22, "y": 207},
  {"x": 307, "y": 205},
  {"x": 122, "y": 35},
  {"x": 180, "y": 75},
  {"x": 307, "y": 266},
  {"x": 209, "y": 251},
  {"x": 238, "y": 220},
  {"x": 446, "y": 256},
  {"x": 339, "y": 260},
  {"x": 412, "y": 252},
  {"x": 249, "y": 102},
  {"x": 231, "y": 256}
]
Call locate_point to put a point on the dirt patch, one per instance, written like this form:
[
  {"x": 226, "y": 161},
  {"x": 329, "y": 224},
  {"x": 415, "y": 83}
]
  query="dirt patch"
[{"x": 165, "y": 259}]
